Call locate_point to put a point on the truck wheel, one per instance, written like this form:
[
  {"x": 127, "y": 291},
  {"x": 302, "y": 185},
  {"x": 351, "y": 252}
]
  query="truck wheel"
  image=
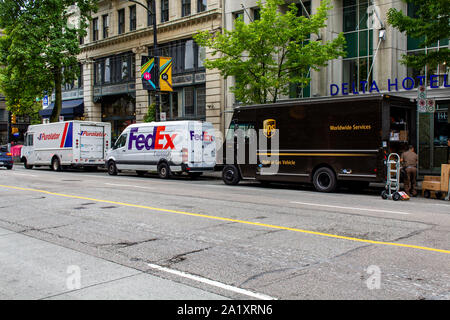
[
  {"x": 438, "y": 195},
  {"x": 26, "y": 165},
  {"x": 112, "y": 169},
  {"x": 164, "y": 171},
  {"x": 324, "y": 180},
  {"x": 230, "y": 175},
  {"x": 56, "y": 165}
]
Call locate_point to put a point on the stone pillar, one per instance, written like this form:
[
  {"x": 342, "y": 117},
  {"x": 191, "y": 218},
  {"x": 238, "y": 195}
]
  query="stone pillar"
[
  {"x": 142, "y": 100},
  {"x": 92, "y": 110}
]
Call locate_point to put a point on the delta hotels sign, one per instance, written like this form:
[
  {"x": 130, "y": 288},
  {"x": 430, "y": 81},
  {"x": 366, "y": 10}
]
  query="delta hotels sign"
[{"x": 407, "y": 83}]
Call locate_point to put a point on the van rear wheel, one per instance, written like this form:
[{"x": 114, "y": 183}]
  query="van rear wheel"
[
  {"x": 324, "y": 180},
  {"x": 56, "y": 165},
  {"x": 230, "y": 175},
  {"x": 164, "y": 171},
  {"x": 26, "y": 165}
]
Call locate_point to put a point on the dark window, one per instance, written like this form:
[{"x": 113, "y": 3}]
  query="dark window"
[
  {"x": 185, "y": 8},
  {"x": 256, "y": 14},
  {"x": 150, "y": 14},
  {"x": 105, "y": 19},
  {"x": 80, "y": 79},
  {"x": 133, "y": 18},
  {"x": 95, "y": 29},
  {"x": 121, "y": 21},
  {"x": 164, "y": 10},
  {"x": 201, "y": 5}
]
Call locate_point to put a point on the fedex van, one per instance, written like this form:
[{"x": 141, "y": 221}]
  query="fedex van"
[
  {"x": 66, "y": 144},
  {"x": 165, "y": 147}
]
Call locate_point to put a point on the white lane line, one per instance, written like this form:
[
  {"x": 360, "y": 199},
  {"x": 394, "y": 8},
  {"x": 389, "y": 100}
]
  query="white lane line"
[
  {"x": 127, "y": 185},
  {"x": 212, "y": 283},
  {"x": 348, "y": 208},
  {"x": 24, "y": 174}
]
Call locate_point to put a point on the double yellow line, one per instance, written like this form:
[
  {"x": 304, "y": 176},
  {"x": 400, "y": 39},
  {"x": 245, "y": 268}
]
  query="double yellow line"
[{"x": 258, "y": 224}]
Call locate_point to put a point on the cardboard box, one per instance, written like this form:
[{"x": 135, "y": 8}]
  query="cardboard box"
[
  {"x": 403, "y": 135},
  {"x": 445, "y": 173},
  {"x": 431, "y": 185},
  {"x": 432, "y": 178}
]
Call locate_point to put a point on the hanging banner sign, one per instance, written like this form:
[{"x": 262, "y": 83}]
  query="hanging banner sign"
[
  {"x": 165, "y": 73},
  {"x": 149, "y": 73}
]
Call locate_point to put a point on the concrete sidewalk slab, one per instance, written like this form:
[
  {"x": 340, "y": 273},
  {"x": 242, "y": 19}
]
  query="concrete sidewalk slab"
[{"x": 34, "y": 269}]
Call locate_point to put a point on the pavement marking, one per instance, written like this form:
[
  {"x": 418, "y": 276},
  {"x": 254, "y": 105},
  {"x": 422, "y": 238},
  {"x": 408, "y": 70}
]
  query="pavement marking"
[
  {"x": 350, "y": 208},
  {"x": 212, "y": 283},
  {"x": 328, "y": 235},
  {"x": 25, "y": 174},
  {"x": 127, "y": 185}
]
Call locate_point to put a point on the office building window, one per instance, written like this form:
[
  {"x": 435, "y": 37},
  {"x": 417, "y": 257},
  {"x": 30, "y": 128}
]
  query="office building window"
[
  {"x": 359, "y": 37},
  {"x": 185, "y": 8},
  {"x": 95, "y": 29},
  {"x": 201, "y": 5},
  {"x": 150, "y": 15},
  {"x": 133, "y": 18},
  {"x": 115, "y": 69},
  {"x": 121, "y": 21},
  {"x": 164, "y": 10},
  {"x": 105, "y": 19},
  {"x": 256, "y": 14}
]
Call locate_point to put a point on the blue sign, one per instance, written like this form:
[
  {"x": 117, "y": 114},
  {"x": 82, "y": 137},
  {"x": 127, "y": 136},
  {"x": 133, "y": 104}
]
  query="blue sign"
[
  {"x": 45, "y": 102},
  {"x": 407, "y": 83}
]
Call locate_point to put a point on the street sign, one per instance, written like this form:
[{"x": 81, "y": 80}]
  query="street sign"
[
  {"x": 61, "y": 118},
  {"x": 163, "y": 116}
]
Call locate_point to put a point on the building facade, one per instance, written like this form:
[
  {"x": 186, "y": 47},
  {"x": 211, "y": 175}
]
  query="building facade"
[
  {"x": 121, "y": 34},
  {"x": 371, "y": 65}
]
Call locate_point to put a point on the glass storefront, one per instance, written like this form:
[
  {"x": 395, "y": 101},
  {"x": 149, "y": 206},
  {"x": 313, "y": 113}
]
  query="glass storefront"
[
  {"x": 120, "y": 111},
  {"x": 433, "y": 134}
]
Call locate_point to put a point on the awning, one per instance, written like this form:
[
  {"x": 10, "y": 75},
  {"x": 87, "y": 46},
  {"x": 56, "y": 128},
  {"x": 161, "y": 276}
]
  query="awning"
[{"x": 69, "y": 108}]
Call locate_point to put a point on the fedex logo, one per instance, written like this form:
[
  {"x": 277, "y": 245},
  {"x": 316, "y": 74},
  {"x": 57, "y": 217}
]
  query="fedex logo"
[
  {"x": 152, "y": 141},
  {"x": 203, "y": 137},
  {"x": 50, "y": 136},
  {"x": 92, "y": 134}
]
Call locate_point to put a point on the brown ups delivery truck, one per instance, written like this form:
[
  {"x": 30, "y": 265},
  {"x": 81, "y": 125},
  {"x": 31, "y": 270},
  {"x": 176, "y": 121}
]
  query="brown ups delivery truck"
[{"x": 323, "y": 141}]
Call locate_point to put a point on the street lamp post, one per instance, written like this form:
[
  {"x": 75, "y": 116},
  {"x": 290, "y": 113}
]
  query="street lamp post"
[{"x": 155, "y": 50}]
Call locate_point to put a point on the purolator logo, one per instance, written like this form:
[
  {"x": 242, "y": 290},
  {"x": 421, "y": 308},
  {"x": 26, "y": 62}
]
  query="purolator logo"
[
  {"x": 92, "y": 134},
  {"x": 50, "y": 136},
  {"x": 152, "y": 141}
]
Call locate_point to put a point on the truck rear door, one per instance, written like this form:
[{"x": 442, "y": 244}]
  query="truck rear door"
[{"x": 92, "y": 143}]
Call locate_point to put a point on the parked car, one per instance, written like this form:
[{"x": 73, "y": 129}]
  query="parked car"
[{"x": 6, "y": 159}]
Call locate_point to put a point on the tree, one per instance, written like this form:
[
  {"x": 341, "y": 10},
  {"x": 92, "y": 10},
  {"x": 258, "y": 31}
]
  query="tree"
[
  {"x": 39, "y": 50},
  {"x": 430, "y": 23},
  {"x": 268, "y": 54}
]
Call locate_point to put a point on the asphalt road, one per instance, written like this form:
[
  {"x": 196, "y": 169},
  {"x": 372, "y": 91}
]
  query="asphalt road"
[{"x": 87, "y": 235}]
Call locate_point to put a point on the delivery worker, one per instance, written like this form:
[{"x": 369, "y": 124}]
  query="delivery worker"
[{"x": 409, "y": 160}]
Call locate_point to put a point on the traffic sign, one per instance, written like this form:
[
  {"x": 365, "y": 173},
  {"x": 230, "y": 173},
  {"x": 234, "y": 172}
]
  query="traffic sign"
[{"x": 45, "y": 102}]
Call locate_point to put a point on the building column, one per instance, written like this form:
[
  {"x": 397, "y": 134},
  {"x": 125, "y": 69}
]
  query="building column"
[
  {"x": 92, "y": 110},
  {"x": 214, "y": 96},
  {"x": 142, "y": 99}
]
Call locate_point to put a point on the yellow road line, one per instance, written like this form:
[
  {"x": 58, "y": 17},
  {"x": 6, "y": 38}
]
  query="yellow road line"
[{"x": 233, "y": 220}]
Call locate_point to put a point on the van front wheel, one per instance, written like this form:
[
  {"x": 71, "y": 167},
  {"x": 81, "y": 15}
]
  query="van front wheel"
[
  {"x": 324, "y": 180},
  {"x": 112, "y": 169}
]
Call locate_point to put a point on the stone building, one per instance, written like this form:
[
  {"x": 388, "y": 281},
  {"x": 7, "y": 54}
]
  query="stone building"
[{"x": 121, "y": 33}]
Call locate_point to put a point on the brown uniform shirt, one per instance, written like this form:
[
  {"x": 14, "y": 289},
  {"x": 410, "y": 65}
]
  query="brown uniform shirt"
[{"x": 410, "y": 158}]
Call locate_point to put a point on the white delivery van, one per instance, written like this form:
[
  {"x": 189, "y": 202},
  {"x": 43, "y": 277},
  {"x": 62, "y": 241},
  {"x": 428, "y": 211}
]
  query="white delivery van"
[
  {"x": 66, "y": 144},
  {"x": 165, "y": 147}
]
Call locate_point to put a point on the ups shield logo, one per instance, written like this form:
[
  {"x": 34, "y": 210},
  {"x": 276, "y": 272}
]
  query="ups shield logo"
[{"x": 269, "y": 126}]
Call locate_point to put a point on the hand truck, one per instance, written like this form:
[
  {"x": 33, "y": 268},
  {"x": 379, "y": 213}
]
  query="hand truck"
[{"x": 393, "y": 178}]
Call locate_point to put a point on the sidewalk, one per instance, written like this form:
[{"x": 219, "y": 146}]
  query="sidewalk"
[{"x": 34, "y": 269}]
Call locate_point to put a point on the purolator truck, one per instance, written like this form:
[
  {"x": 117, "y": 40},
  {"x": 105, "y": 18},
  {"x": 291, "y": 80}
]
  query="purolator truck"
[
  {"x": 165, "y": 147},
  {"x": 66, "y": 144},
  {"x": 323, "y": 141}
]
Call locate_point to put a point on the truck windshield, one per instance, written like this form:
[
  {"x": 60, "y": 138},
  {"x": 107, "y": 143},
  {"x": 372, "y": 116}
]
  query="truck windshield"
[{"x": 234, "y": 126}]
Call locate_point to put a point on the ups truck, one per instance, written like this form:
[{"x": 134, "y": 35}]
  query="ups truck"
[{"x": 323, "y": 141}]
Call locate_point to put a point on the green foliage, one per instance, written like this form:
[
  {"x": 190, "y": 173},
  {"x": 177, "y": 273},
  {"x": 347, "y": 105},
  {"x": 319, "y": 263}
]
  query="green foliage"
[
  {"x": 430, "y": 23},
  {"x": 39, "y": 50},
  {"x": 151, "y": 113},
  {"x": 268, "y": 54}
]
